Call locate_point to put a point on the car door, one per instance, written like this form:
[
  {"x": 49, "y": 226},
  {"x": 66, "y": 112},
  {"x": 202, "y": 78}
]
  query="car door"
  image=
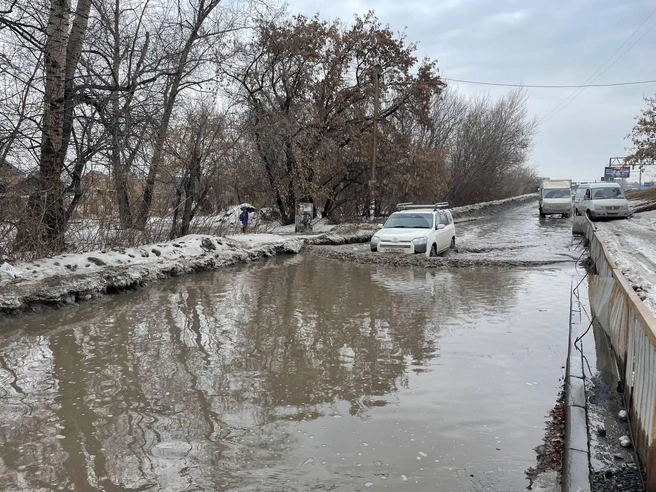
[
  {"x": 587, "y": 200},
  {"x": 578, "y": 200},
  {"x": 443, "y": 238},
  {"x": 451, "y": 228}
]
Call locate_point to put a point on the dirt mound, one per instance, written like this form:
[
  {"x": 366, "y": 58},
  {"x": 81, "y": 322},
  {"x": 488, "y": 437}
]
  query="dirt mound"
[
  {"x": 451, "y": 260},
  {"x": 642, "y": 200}
]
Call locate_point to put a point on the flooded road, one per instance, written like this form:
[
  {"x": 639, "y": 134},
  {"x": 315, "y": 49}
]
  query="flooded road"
[
  {"x": 511, "y": 237},
  {"x": 296, "y": 374}
]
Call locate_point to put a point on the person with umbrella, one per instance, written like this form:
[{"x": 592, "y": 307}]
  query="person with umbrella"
[{"x": 243, "y": 218}]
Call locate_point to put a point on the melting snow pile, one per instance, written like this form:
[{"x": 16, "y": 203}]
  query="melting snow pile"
[
  {"x": 67, "y": 278},
  {"x": 477, "y": 207},
  {"x": 632, "y": 246}
]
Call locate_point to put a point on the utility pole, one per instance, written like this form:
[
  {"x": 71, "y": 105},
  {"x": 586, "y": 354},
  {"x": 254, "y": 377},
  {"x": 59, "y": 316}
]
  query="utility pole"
[{"x": 372, "y": 184}]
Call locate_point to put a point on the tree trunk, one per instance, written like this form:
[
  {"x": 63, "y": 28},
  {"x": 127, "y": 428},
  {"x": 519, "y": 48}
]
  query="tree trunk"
[
  {"x": 176, "y": 210},
  {"x": 192, "y": 184},
  {"x": 271, "y": 177},
  {"x": 121, "y": 189},
  {"x": 118, "y": 166},
  {"x": 49, "y": 213},
  {"x": 292, "y": 170},
  {"x": 48, "y": 219}
]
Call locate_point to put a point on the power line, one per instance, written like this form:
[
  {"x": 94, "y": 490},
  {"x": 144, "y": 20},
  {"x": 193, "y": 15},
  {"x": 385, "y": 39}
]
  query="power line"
[
  {"x": 538, "y": 86},
  {"x": 601, "y": 70}
]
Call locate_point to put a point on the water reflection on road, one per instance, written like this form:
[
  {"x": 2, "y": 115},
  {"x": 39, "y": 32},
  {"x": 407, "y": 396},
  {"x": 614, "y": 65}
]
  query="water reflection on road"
[{"x": 295, "y": 374}]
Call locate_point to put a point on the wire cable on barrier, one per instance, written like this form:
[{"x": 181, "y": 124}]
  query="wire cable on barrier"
[{"x": 578, "y": 347}]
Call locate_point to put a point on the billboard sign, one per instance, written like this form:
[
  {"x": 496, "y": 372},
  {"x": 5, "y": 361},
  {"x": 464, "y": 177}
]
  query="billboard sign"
[{"x": 617, "y": 172}]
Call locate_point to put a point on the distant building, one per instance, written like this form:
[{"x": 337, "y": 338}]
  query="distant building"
[{"x": 10, "y": 176}]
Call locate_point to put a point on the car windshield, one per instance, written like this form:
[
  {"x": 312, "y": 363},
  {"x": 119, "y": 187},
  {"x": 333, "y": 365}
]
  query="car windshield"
[
  {"x": 409, "y": 221},
  {"x": 562, "y": 193},
  {"x": 606, "y": 193}
]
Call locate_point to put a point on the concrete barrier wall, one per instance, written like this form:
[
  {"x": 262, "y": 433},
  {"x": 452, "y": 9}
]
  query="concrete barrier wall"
[{"x": 631, "y": 328}]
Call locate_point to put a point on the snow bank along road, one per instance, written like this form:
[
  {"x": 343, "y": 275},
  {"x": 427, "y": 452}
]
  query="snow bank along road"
[{"x": 632, "y": 245}]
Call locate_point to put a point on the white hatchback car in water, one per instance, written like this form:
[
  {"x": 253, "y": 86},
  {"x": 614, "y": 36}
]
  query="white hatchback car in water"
[{"x": 425, "y": 229}]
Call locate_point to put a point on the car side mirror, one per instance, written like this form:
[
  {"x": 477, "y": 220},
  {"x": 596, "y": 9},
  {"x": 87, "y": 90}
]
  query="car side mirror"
[
  {"x": 440, "y": 226},
  {"x": 379, "y": 226}
]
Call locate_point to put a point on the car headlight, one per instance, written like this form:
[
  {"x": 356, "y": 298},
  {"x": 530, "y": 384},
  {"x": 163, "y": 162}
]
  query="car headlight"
[
  {"x": 624, "y": 207},
  {"x": 420, "y": 240},
  {"x": 375, "y": 240}
]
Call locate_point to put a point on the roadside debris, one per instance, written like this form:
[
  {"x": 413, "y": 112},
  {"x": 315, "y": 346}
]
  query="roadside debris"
[
  {"x": 625, "y": 442},
  {"x": 10, "y": 270},
  {"x": 550, "y": 453}
]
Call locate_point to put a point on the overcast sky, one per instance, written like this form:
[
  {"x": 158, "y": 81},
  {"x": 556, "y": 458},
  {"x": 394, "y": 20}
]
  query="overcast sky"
[{"x": 555, "y": 42}]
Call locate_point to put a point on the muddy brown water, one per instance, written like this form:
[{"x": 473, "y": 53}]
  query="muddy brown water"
[{"x": 295, "y": 374}]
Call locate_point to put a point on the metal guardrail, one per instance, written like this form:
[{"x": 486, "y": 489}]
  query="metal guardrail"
[{"x": 631, "y": 327}]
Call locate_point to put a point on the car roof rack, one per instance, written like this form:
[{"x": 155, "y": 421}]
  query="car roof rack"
[{"x": 411, "y": 206}]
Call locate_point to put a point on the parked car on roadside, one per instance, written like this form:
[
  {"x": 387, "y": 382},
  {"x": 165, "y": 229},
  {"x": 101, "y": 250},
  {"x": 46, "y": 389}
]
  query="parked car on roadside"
[
  {"x": 603, "y": 201},
  {"x": 422, "y": 229}
]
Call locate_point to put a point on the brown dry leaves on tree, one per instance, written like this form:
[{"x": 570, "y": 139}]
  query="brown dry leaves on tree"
[
  {"x": 308, "y": 85},
  {"x": 643, "y": 135}
]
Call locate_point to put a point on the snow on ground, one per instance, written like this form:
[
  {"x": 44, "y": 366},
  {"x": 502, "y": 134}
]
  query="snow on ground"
[
  {"x": 262, "y": 238},
  {"x": 66, "y": 278},
  {"x": 631, "y": 244},
  {"x": 476, "y": 207}
]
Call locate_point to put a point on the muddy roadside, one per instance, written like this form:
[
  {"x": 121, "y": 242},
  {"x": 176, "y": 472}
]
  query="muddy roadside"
[
  {"x": 451, "y": 259},
  {"x": 548, "y": 471},
  {"x": 70, "y": 278},
  {"x": 66, "y": 279}
]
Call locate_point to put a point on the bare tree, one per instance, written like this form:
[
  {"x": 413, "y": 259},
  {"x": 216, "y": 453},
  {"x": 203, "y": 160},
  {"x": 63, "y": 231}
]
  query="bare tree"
[
  {"x": 308, "y": 86},
  {"x": 197, "y": 46},
  {"x": 643, "y": 135},
  {"x": 486, "y": 144},
  {"x": 196, "y": 147}
]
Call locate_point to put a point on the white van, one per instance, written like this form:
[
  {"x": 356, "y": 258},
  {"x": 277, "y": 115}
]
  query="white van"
[
  {"x": 603, "y": 201},
  {"x": 577, "y": 199},
  {"x": 555, "y": 197}
]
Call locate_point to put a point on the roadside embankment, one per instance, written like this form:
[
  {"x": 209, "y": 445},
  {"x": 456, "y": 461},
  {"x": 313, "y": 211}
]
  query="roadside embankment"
[
  {"x": 631, "y": 245},
  {"x": 478, "y": 209},
  {"x": 642, "y": 200},
  {"x": 68, "y": 278},
  {"x": 631, "y": 328}
]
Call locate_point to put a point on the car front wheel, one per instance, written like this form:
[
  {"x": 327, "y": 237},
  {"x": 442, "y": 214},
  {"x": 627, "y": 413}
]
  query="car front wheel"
[
  {"x": 433, "y": 251},
  {"x": 453, "y": 243}
]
